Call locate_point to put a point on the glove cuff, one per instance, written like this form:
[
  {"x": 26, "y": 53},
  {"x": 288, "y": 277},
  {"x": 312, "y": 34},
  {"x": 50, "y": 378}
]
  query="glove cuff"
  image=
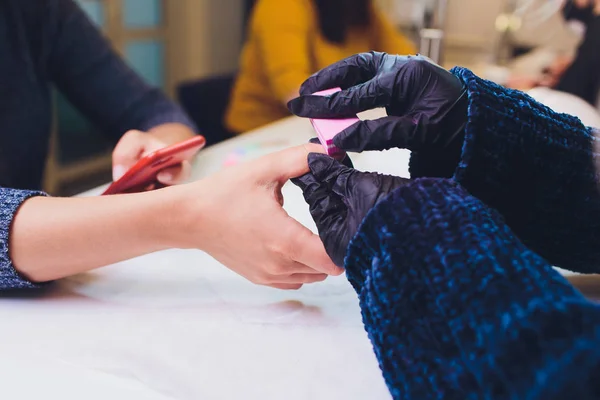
[{"x": 536, "y": 167}]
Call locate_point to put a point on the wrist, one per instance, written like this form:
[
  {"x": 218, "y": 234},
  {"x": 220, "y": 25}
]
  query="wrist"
[
  {"x": 153, "y": 221},
  {"x": 75, "y": 235},
  {"x": 182, "y": 221}
]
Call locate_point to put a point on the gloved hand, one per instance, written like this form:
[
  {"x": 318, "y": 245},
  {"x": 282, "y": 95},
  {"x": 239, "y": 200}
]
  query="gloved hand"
[
  {"x": 426, "y": 104},
  {"x": 339, "y": 199}
]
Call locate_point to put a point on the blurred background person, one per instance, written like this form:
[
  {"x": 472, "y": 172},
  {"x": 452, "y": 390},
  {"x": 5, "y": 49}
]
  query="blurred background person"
[
  {"x": 578, "y": 73},
  {"x": 291, "y": 39},
  {"x": 196, "y": 50},
  {"x": 582, "y": 75},
  {"x": 52, "y": 42}
]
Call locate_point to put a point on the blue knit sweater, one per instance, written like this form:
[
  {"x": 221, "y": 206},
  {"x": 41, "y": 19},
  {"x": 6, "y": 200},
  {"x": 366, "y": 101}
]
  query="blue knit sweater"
[
  {"x": 52, "y": 42},
  {"x": 458, "y": 298}
]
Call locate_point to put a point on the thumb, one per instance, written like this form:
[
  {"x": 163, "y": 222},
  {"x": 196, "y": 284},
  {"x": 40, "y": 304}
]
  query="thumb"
[
  {"x": 127, "y": 152},
  {"x": 322, "y": 201},
  {"x": 345, "y": 103},
  {"x": 290, "y": 163},
  {"x": 325, "y": 206}
]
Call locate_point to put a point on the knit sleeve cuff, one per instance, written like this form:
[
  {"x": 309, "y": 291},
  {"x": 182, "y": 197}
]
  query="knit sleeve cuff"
[
  {"x": 11, "y": 200},
  {"x": 507, "y": 128},
  {"x": 535, "y": 166}
]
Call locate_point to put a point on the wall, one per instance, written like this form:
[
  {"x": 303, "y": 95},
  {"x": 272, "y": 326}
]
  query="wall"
[
  {"x": 205, "y": 37},
  {"x": 471, "y": 22}
]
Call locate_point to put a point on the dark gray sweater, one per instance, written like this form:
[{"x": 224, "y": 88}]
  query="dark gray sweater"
[{"x": 52, "y": 42}]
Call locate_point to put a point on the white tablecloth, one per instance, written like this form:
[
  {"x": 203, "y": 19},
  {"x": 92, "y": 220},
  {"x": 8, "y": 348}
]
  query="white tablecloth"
[{"x": 178, "y": 325}]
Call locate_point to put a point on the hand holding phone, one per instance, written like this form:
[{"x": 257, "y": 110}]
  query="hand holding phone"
[{"x": 144, "y": 172}]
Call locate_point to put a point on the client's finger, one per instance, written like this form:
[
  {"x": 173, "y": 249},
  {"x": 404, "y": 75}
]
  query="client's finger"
[
  {"x": 306, "y": 278},
  {"x": 307, "y": 249},
  {"x": 285, "y": 286},
  {"x": 176, "y": 174}
]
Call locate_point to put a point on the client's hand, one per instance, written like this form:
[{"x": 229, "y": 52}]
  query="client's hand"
[
  {"x": 135, "y": 144},
  {"x": 426, "y": 105},
  {"x": 237, "y": 217},
  {"x": 339, "y": 198}
]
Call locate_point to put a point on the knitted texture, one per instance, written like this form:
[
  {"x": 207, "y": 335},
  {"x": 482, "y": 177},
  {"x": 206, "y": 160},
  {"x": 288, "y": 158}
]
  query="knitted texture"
[
  {"x": 10, "y": 201},
  {"x": 535, "y": 166},
  {"x": 456, "y": 307},
  {"x": 53, "y": 43}
]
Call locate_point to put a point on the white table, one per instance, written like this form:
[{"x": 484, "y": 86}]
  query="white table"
[{"x": 178, "y": 325}]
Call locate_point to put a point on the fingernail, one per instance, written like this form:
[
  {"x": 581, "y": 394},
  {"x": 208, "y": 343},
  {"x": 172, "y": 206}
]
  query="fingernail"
[
  {"x": 118, "y": 172},
  {"x": 165, "y": 176}
]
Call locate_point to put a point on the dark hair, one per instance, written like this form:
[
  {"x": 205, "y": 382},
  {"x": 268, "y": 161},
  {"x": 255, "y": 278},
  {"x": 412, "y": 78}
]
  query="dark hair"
[{"x": 336, "y": 17}]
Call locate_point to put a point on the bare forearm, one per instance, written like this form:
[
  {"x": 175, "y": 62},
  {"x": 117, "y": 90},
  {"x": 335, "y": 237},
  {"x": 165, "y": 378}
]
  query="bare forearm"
[{"x": 52, "y": 238}]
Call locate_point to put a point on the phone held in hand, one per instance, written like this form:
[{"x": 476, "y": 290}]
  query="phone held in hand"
[
  {"x": 144, "y": 172},
  {"x": 327, "y": 129}
]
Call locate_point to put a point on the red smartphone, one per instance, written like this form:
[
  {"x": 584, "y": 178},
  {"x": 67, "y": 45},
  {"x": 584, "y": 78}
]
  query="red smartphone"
[{"x": 144, "y": 172}]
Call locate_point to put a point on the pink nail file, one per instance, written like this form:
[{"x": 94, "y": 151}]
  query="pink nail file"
[{"x": 327, "y": 128}]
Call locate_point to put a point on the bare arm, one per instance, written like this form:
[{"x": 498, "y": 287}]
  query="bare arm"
[{"x": 52, "y": 238}]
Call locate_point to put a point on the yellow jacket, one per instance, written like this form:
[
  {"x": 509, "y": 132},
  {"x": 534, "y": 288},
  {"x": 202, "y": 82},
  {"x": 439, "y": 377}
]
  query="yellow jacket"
[{"x": 284, "y": 48}]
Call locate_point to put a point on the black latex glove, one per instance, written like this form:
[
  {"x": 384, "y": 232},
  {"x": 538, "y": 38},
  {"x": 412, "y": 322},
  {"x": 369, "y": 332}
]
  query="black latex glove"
[
  {"x": 426, "y": 104},
  {"x": 344, "y": 160},
  {"x": 339, "y": 198}
]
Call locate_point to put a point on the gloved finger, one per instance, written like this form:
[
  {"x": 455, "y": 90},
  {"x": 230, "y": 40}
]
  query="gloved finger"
[
  {"x": 348, "y": 72},
  {"x": 361, "y": 190},
  {"x": 322, "y": 203},
  {"x": 327, "y": 170},
  {"x": 329, "y": 213},
  {"x": 365, "y": 189},
  {"x": 346, "y": 103},
  {"x": 406, "y": 132},
  {"x": 345, "y": 160},
  {"x": 307, "y": 183},
  {"x": 352, "y": 187}
]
